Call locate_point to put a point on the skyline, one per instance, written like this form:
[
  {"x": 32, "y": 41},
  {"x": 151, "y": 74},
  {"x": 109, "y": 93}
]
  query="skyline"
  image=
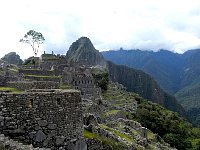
[{"x": 148, "y": 25}]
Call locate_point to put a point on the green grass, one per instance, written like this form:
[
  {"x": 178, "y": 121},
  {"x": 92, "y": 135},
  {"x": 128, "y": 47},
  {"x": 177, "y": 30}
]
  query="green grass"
[
  {"x": 56, "y": 77},
  {"x": 111, "y": 112},
  {"x": 14, "y": 70},
  {"x": 65, "y": 86},
  {"x": 124, "y": 136},
  {"x": 89, "y": 135},
  {"x": 32, "y": 69},
  {"x": 150, "y": 135},
  {"x": 105, "y": 140},
  {"x": 13, "y": 90}
]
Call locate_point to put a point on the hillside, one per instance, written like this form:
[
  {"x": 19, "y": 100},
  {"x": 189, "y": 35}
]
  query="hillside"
[
  {"x": 189, "y": 97},
  {"x": 160, "y": 65},
  {"x": 175, "y": 73},
  {"x": 139, "y": 82},
  {"x": 169, "y": 125}
]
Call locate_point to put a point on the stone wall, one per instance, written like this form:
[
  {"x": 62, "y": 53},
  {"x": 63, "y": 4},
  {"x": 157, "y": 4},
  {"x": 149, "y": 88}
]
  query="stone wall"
[
  {"x": 83, "y": 81},
  {"x": 44, "y": 118},
  {"x": 38, "y": 72},
  {"x": 2, "y": 80},
  {"x": 25, "y": 85},
  {"x": 44, "y": 78}
]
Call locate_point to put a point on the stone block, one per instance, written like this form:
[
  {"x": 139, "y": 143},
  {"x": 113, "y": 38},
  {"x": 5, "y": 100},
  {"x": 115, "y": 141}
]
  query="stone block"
[
  {"x": 60, "y": 140},
  {"x": 42, "y": 123},
  {"x": 40, "y": 136}
]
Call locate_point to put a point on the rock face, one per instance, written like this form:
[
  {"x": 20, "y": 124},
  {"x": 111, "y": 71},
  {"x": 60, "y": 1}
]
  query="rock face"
[{"x": 82, "y": 51}]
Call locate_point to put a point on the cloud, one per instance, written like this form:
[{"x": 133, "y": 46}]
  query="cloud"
[{"x": 131, "y": 24}]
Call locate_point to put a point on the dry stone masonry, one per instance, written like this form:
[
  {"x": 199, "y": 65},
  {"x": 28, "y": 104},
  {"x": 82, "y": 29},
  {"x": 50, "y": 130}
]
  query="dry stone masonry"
[{"x": 44, "y": 118}]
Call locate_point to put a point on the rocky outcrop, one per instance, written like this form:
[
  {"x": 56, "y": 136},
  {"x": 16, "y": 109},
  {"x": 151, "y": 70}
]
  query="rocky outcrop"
[{"x": 82, "y": 51}]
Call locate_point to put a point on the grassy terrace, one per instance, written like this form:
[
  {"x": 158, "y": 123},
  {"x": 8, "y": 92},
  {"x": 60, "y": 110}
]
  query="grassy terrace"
[
  {"x": 105, "y": 140},
  {"x": 111, "y": 112},
  {"x": 13, "y": 90},
  {"x": 57, "y": 77},
  {"x": 117, "y": 133},
  {"x": 65, "y": 86}
]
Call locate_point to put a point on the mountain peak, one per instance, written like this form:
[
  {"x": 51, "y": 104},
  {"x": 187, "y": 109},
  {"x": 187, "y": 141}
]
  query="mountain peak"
[
  {"x": 84, "y": 40},
  {"x": 83, "y": 51}
]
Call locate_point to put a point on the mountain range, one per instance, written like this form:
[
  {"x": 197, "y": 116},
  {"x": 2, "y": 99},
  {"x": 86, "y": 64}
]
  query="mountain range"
[{"x": 177, "y": 74}]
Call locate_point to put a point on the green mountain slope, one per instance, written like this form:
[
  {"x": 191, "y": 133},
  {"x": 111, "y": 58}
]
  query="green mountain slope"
[
  {"x": 175, "y": 73},
  {"x": 189, "y": 97},
  {"x": 143, "y": 84},
  {"x": 169, "y": 125},
  {"x": 163, "y": 66}
]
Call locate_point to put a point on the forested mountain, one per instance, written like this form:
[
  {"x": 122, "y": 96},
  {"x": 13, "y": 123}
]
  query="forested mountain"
[{"x": 177, "y": 74}]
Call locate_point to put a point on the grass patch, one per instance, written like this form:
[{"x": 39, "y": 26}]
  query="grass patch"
[
  {"x": 10, "y": 89},
  {"x": 65, "y": 86},
  {"x": 35, "y": 76},
  {"x": 105, "y": 140},
  {"x": 14, "y": 70},
  {"x": 150, "y": 135},
  {"x": 32, "y": 69},
  {"x": 89, "y": 135},
  {"x": 124, "y": 136},
  {"x": 111, "y": 112}
]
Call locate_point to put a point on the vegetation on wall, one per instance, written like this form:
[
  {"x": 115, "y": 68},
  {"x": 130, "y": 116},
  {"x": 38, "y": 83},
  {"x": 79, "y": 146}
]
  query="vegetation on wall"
[{"x": 101, "y": 79}]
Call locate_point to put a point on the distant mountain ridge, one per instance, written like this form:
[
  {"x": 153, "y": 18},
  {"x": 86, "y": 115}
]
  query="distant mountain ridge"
[{"x": 178, "y": 74}]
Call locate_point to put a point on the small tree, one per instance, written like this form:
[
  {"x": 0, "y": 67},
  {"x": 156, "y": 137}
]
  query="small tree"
[{"x": 35, "y": 39}]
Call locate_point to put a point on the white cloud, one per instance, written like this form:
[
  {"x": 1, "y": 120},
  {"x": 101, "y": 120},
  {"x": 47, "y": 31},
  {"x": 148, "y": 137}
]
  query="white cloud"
[{"x": 144, "y": 24}]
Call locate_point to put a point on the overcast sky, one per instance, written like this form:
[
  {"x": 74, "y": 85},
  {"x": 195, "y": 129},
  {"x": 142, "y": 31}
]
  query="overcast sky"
[{"x": 110, "y": 24}]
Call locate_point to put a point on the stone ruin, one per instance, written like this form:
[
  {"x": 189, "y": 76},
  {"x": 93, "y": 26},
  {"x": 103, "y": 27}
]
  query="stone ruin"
[
  {"x": 43, "y": 118},
  {"x": 50, "y": 117}
]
